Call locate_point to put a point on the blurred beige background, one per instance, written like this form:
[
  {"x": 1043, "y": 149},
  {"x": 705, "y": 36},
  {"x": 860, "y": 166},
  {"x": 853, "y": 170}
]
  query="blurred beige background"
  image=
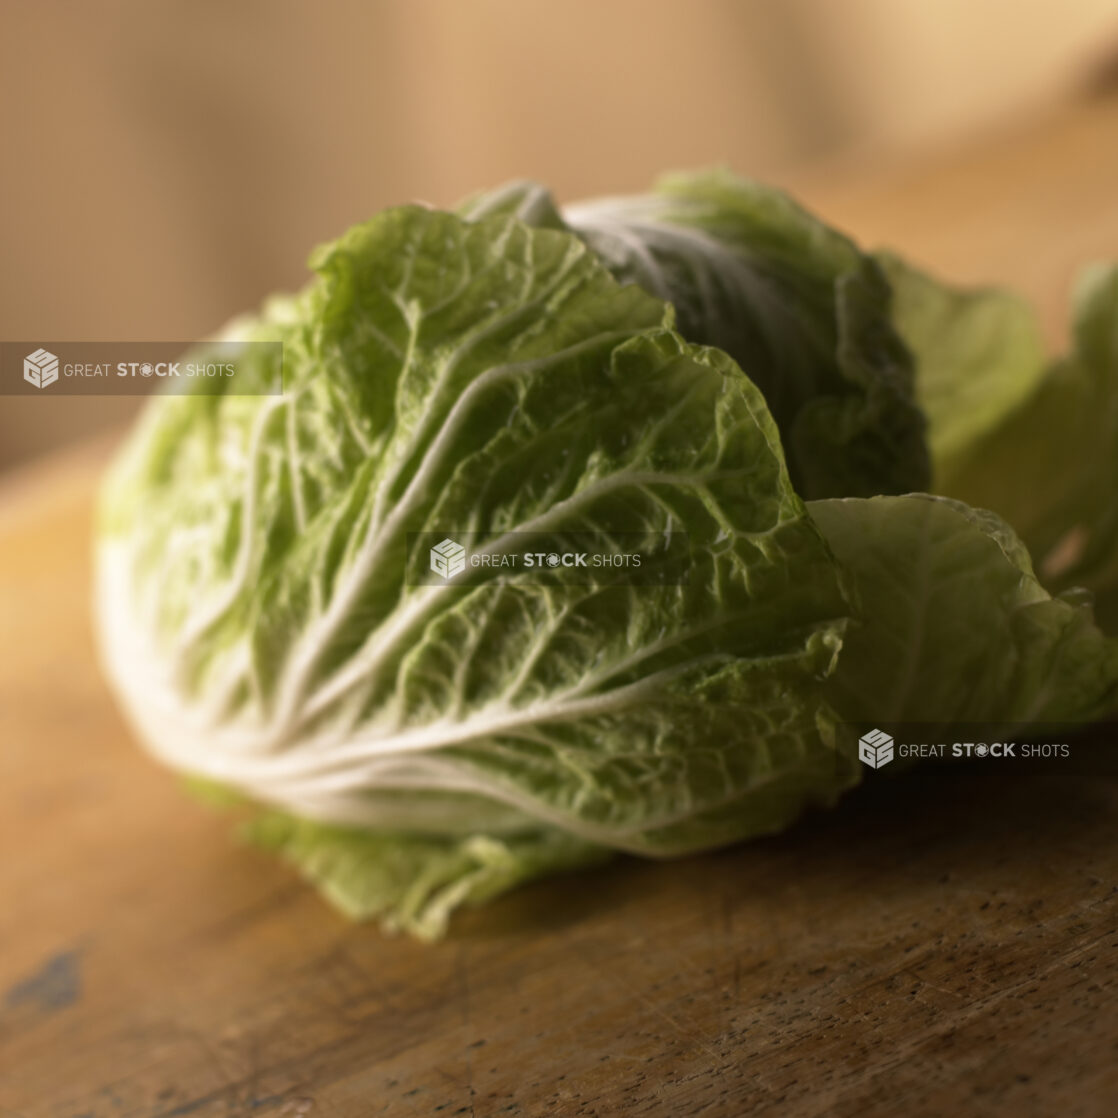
[{"x": 170, "y": 162}]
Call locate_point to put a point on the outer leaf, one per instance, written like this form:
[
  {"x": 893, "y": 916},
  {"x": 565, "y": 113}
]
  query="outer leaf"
[
  {"x": 413, "y": 883},
  {"x": 954, "y": 627},
  {"x": 979, "y": 355},
  {"x": 803, "y": 312},
  {"x": 1051, "y": 466}
]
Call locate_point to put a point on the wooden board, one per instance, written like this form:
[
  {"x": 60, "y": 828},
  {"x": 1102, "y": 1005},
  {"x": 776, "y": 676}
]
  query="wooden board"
[{"x": 943, "y": 943}]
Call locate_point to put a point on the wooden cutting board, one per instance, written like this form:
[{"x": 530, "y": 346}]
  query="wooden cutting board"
[{"x": 945, "y": 942}]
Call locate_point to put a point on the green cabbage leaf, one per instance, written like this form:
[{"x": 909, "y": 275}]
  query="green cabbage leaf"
[
  {"x": 953, "y": 626},
  {"x": 1034, "y": 440}
]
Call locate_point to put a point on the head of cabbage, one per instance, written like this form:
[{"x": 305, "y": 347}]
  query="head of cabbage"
[{"x": 690, "y": 365}]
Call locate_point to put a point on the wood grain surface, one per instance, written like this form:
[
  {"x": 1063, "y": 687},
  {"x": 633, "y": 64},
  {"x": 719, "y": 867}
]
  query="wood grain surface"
[{"x": 945, "y": 942}]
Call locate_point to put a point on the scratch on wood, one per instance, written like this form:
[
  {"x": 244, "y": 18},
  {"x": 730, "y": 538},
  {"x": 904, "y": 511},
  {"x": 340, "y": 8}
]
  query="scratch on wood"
[
  {"x": 463, "y": 976},
  {"x": 56, "y": 985}
]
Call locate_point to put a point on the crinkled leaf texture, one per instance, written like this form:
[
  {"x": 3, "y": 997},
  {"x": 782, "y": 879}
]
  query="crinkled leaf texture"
[
  {"x": 801, "y": 310},
  {"x": 953, "y": 626},
  {"x": 430, "y": 745}
]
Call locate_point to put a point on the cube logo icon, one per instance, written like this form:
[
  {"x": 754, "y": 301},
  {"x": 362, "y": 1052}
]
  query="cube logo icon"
[
  {"x": 875, "y": 749},
  {"x": 448, "y": 558},
  {"x": 40, "y": 368}
]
